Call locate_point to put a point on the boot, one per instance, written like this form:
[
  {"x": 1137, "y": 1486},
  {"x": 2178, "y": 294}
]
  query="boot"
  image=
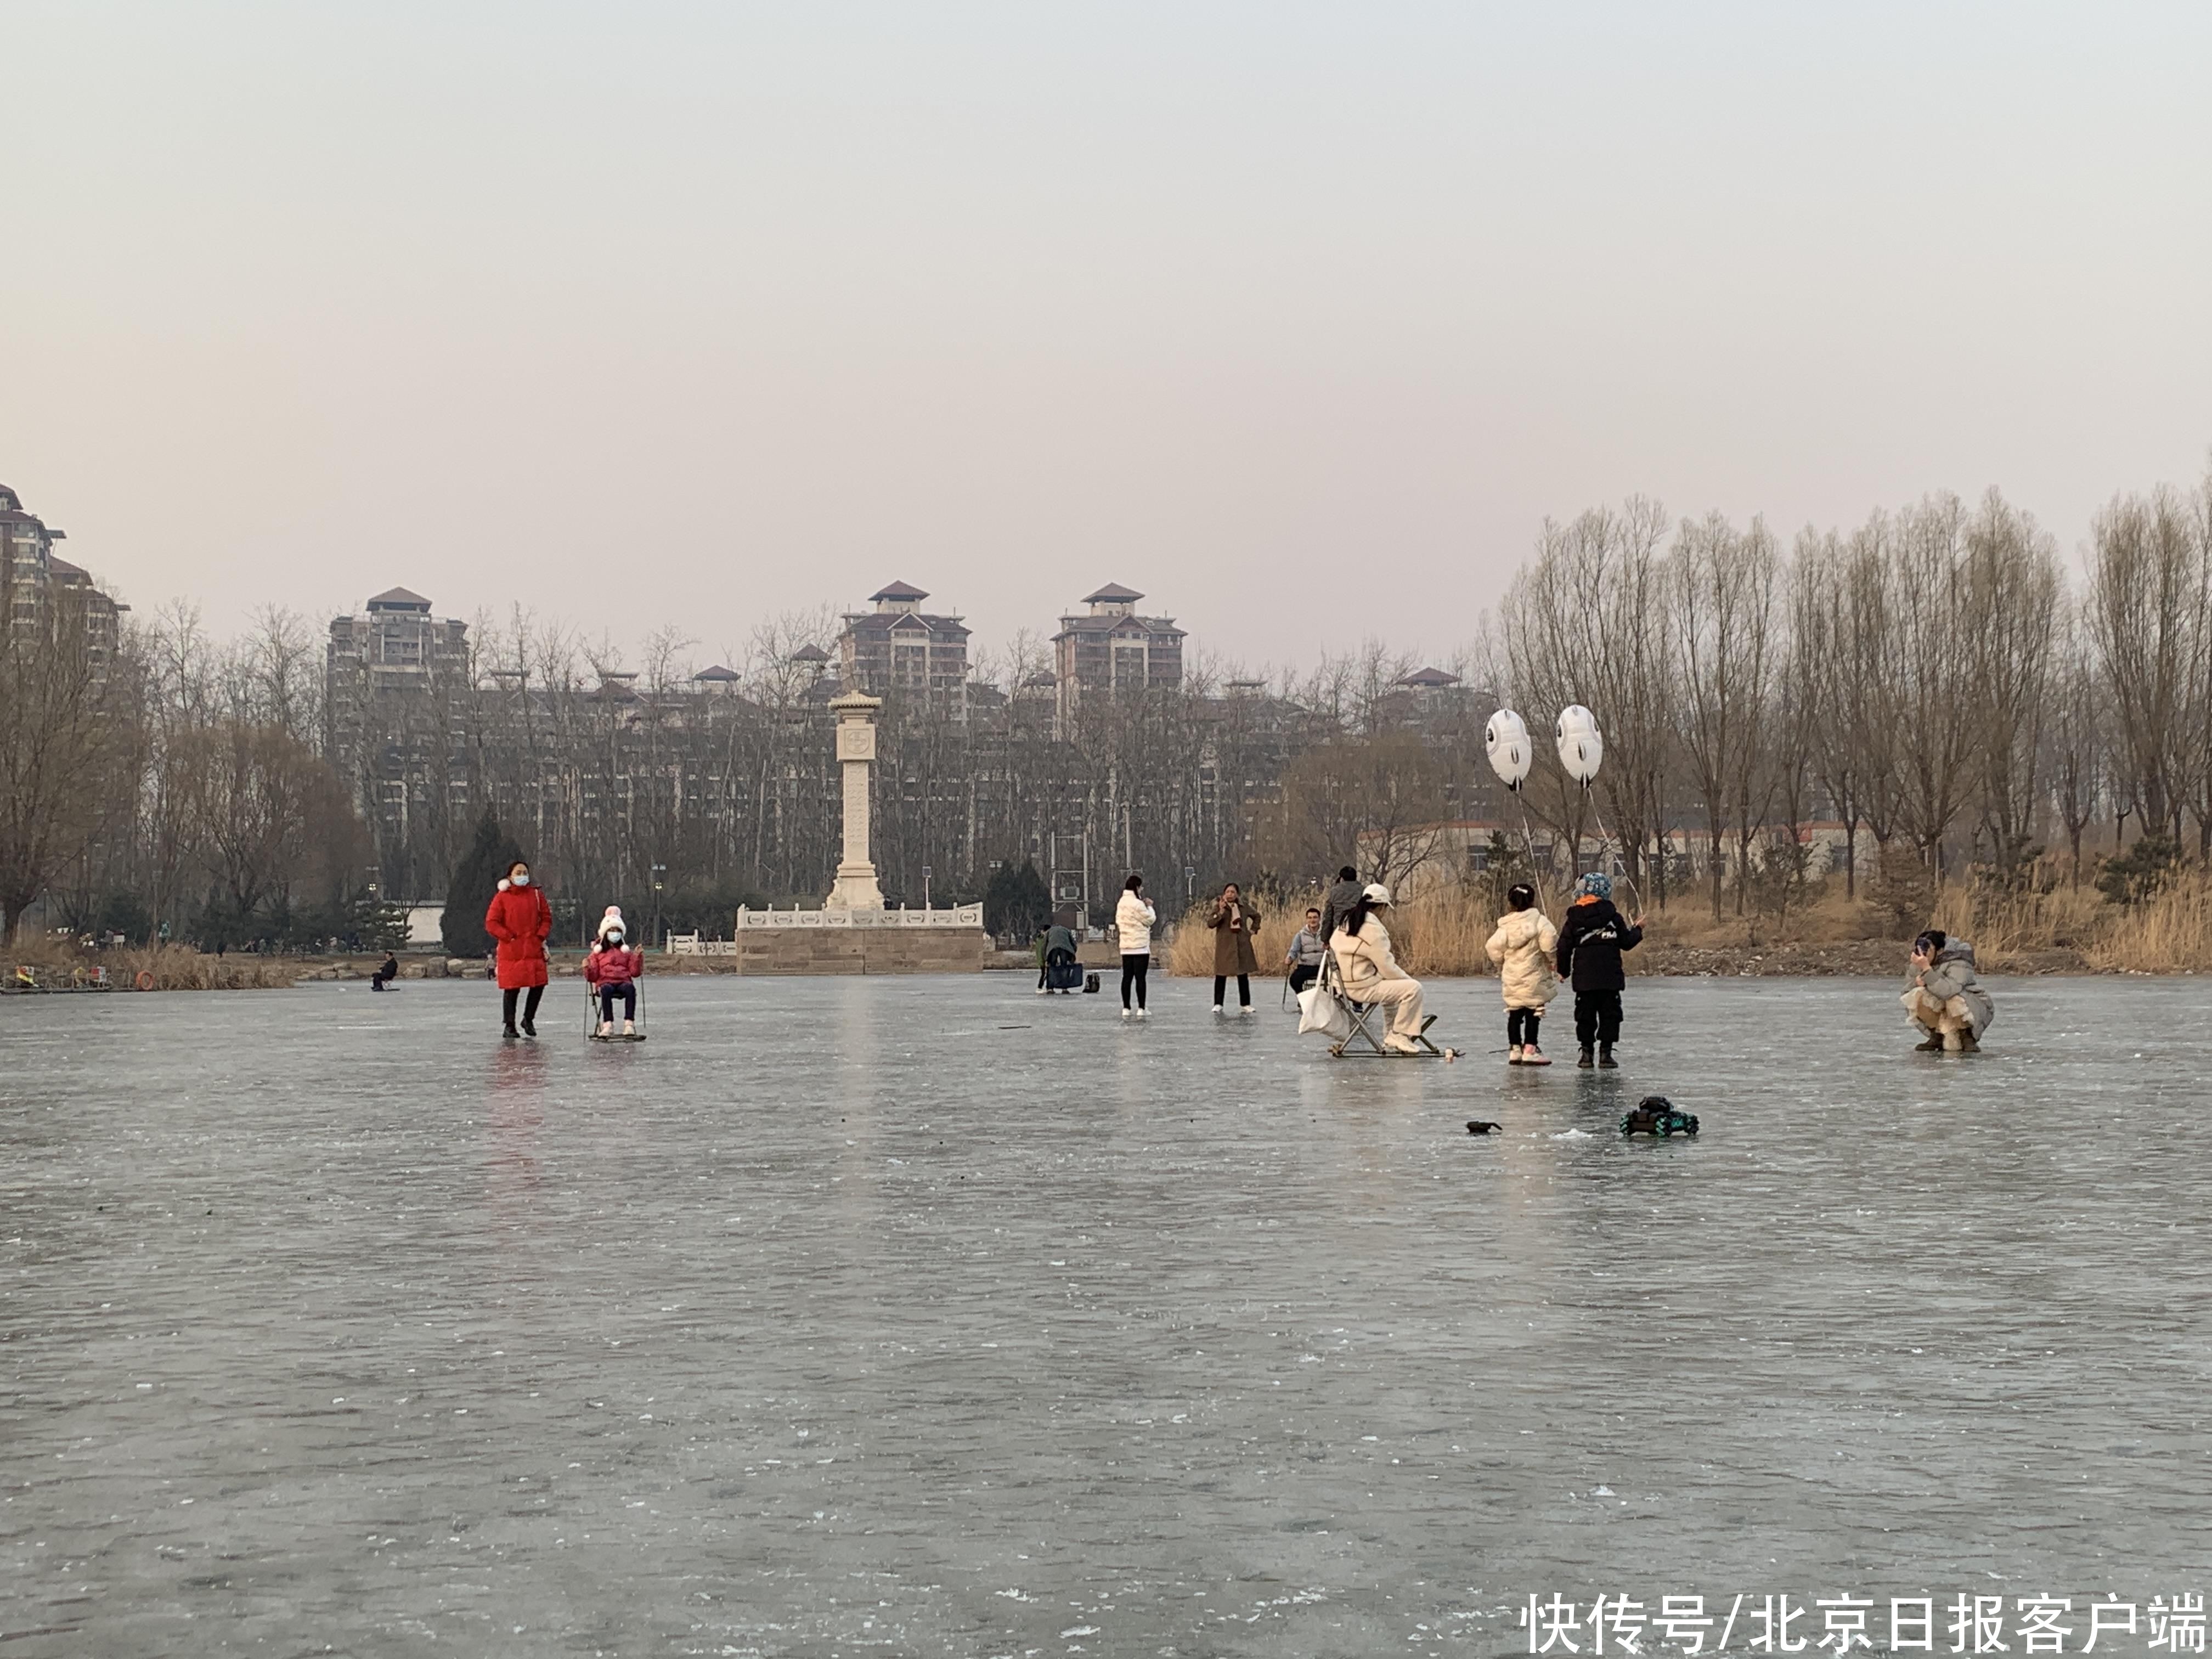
[
  {"x": 606, "y": 1028},
  {"x": 1968, "y": 1044},
  {"x": 1604, "y": 1060},
  {"x": 508, "y": 1032},
  {"x": 529, "y": 1026},
  {"x": 1582, "y": 1060},
  {"x": 629, "y": 1028},
  {"x": 1933, "y": 1046},
  {"x": 1532, "y": 1056},
  {"x": 1512, "y": 1054}
]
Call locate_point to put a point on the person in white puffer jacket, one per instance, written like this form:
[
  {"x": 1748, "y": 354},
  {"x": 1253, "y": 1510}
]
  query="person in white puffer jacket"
[
  {"x": 1522, "y": 947},
  {"x": 1133, "y": 920}
]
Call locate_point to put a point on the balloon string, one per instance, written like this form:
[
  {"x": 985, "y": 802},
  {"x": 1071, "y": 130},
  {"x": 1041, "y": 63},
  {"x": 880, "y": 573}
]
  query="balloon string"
[
  {"x": 1598, "y": 813},
  {"x": 1529, "y": 842}
]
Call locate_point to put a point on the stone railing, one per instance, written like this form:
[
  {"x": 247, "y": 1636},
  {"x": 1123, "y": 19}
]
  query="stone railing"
[
  {"x": 963, "y": 915},
  {"x": 690, "y": 944}
]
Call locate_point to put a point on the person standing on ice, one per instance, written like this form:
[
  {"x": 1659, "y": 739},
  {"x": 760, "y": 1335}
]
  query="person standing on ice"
[
  {"x": 521, "y": 920},
  {"x": 1522, "y": 947},
  {"x": 1943, "y": 998},
  {"x": 1591, "y": 941},
  {"x": 1236, "y": 925},
  {"x": 1370, "y": 971},
  {"x": 1133, "y": 920},
  {"x": 1342, "y": 895},
  {"x": 612, "y": 969}
]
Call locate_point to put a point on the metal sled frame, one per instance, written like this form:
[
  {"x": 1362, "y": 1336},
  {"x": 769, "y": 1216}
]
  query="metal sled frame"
[
  {"x": 1359, "y": 1013},
  {"x": 592, "y": 1015}
]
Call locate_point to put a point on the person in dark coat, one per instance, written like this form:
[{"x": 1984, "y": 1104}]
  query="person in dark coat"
[
  {"x": 1337, "y": 903},
  {"x": 1236, "y": 925},
  {"x": 1591, "y": 940},
  {"x": 387, "y": 971},
  {"x": 521, "y": 920}
]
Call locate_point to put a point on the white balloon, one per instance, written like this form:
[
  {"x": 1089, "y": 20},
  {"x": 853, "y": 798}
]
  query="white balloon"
[
  {"x": 1510, "y": 752},
  {"x": 1582, "y": 746}
]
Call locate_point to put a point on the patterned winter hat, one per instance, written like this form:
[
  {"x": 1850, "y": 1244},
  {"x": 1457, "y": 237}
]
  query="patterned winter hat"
[
  {"x": 1597, "y": 884},
  {"x": 612, "y": 919}
]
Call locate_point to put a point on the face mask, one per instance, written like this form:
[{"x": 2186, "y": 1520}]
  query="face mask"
[
  {"x": 614, "y": 938},
  {"x": 522, "y": 880}
]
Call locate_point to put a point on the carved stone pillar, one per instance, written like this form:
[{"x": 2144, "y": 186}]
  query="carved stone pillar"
[{"x": 855, "y": 888}]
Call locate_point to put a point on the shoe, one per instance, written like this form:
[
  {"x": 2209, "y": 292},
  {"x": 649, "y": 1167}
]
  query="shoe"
[
  {"x": 1968, "y": 1043},
  {"x": 1532, "y": 1056},
  {"x": 509, "y": 1033},
  {"x": 1127, "y": 1013},
  {"x": 1043, "y": 992},
  {"x": 1605, "y": 1060},
  {"x": 1398, "y": 1045},
  {"x": 1512, "y": 1054},
  {"x": 1247, "y": 1011},
  {"x": 1933, "y": 1046},
  {"x": 1217, "y": 1011},
  {"x": 1583, "y": 1061},
  {"x": 606, "y": 1028},
  {"x": 1141, "y": 1014},
  {"x": 530, "y": 1028},
  {"x": 629, "y": 1028}
]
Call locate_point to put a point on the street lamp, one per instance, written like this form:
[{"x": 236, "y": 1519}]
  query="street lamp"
[
  {"x": 659, "y": 870},
  {"x": 925, "y": 887},
  {"x": 1190, "y": 883}
]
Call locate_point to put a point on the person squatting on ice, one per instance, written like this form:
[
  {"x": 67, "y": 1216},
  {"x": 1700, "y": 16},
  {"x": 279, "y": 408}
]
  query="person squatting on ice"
[
  {"x": 1056, "y": 951},
  {"x": 1306, "y": 953},
  {"x": 1235, "y": 925},
  {"x": 1591, "y": 940},
  {"x": 1133, "y": 917},
  {"x": 1370, "y": 971},
  {"x": 612, "y": 969},
  {"x": 1943, "y": 998},
  {"x": 1522, "y": 947},
  {"x": 521, "y": 920}
]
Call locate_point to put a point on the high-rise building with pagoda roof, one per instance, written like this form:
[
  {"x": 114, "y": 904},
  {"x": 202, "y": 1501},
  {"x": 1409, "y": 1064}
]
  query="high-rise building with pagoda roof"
[
  {"x": 395, "y": 684},
  {"x": 900, "y": 648},
  {"x": 1111, "y": 647}
]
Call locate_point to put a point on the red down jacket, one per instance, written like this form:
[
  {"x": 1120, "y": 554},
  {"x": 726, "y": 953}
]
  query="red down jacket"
[
  {"x": 521, "y": 920},
  {"x": 613, "y": 964}
]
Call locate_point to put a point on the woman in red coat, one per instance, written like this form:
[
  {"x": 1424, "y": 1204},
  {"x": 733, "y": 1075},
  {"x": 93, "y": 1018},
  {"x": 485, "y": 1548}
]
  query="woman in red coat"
[{"x": 521, "y": 920}]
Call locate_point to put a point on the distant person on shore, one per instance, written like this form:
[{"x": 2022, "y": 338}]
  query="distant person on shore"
[
  {"x": 1236, "y": 925},
  {"x": 387, "y": 971},
  {"x": 612, "y": 970},
  {"x": 521, "y": 920},
  {"x": 1943, "y": 998},
  {"x": 1591, "y": 941},
  {"x": 1522, "y": 947},
  {"x": 1309, "y": 949},
  {"x": 1339, "y": 899},
  {"x": 1133, "y": 920},
  {"x": 1370, "y": 971}
]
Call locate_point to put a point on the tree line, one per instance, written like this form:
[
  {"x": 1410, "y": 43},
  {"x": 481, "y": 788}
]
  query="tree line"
[{"x": 1936, "y": 679}]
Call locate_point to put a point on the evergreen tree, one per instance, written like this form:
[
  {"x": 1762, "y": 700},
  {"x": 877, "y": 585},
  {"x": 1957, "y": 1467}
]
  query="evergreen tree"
[
  {"x": 1016, "y": 901},
  {"x": 475, "y": 879}
]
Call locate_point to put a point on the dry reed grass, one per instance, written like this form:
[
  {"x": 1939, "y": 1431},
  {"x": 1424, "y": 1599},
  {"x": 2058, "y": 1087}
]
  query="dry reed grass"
[
  {"x": 1441, "y": 932},
  {"x": 173, "y": 966}
]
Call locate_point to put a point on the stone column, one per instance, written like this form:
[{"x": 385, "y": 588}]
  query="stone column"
[{"x": 855, "y": 889}]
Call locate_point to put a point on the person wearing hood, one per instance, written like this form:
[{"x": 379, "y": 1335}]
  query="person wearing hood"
[
  {"x": 1522, "y": 947},
  {"x": 612, "y": 969},
  {"x": 1369, "y": 970},
  {"x": 1942, "y": 997},
  {"x": 1591, "y": 941},
  {"x": 521, "y": 920}
]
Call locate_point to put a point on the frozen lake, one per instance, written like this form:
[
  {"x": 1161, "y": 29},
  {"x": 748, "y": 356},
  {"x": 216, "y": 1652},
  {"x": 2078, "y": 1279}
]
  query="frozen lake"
[{"x": 930, "y": 1317}]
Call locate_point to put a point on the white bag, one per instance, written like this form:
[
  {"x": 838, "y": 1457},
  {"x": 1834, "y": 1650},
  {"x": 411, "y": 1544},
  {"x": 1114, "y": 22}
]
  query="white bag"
[{"x": 1319, "y": 1011}]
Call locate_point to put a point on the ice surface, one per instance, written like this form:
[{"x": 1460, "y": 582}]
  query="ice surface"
[{"x": 929, "y": 1316}]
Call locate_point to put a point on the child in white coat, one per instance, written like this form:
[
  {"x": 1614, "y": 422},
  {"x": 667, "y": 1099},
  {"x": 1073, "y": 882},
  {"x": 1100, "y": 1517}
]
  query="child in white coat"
[{"x": 1522, "y": 947}]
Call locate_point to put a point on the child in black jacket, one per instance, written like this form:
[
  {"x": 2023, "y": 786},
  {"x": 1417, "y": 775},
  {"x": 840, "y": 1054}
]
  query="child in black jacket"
[{"x": 1591, "y": 940}]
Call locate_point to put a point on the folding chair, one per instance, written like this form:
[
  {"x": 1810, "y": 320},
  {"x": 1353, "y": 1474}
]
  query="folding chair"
[{"x": 1360, "y": 1014}]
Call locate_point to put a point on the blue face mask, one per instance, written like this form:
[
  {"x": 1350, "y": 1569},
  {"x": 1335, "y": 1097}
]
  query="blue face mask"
[
  {"x": 522, "y": 880},
  {"x": 614, "y": 938}
]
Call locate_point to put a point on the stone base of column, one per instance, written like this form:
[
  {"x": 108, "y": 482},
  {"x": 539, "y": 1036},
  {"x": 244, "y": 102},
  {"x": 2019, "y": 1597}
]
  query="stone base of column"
[{"x": 856, "y": 889}]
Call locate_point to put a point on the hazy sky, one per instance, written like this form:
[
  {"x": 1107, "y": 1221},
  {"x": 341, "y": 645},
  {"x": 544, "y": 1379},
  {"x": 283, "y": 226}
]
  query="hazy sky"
[{"x": 1300, "y": 319}]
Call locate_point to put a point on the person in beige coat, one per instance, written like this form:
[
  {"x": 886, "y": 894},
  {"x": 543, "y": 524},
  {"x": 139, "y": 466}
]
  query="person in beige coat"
[
  {"x": 1522, "y": 947},
  {"x": 1236, "y": 925},
  {"x": 1370, "y": 972}
]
